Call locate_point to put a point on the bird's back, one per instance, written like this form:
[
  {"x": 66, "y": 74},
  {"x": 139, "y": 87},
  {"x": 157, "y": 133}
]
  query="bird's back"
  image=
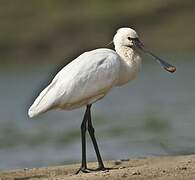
[{"x": 86, "y": 79}]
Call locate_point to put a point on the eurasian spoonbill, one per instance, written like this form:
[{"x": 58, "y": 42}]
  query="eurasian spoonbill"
[{"x": 90, "y": 77}]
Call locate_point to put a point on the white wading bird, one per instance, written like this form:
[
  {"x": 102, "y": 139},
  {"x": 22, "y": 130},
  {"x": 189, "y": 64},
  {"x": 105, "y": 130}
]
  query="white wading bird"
[{"x": 89, "y": 78}]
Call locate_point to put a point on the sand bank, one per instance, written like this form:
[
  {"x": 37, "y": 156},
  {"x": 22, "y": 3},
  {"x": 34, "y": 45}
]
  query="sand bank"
[{"x": 158, "y": 168}]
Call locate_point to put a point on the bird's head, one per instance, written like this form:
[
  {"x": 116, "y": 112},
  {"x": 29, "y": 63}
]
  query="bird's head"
[
  {"x": 128, "y": 37},
  {"x": 125, "y": 37}
]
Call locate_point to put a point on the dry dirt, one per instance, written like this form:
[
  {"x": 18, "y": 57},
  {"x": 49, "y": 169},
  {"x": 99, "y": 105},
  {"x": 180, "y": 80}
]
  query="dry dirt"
[{"x": 158, "y": 168}]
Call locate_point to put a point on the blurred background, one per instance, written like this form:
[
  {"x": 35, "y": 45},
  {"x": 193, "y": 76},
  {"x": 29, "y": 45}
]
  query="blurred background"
[{"x": 153, "y": 115}]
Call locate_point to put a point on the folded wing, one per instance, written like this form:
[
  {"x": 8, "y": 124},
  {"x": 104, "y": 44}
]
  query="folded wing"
[{"x": 90, "y": 75}]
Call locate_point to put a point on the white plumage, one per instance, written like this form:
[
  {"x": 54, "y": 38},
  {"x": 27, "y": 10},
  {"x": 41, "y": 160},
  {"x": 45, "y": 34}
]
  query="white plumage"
[{"x": 90, "y": 76}]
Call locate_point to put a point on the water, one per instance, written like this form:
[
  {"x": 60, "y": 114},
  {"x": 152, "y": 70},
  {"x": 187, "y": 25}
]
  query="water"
[{"x": 153, "y": 115}]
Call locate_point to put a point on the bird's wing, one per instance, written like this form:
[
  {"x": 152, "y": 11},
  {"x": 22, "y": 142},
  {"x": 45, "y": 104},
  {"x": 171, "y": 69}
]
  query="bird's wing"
[{"x": 92, "y": 72}]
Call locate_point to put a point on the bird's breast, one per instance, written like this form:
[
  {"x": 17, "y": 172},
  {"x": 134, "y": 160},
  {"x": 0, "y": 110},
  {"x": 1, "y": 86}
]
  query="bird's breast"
[{"x": 129, "y": 70}]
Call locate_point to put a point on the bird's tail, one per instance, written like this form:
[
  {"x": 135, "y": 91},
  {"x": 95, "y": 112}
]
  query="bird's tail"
[
  {"x": 42, "y": 103},
  {"x": 32, "y": 112}
]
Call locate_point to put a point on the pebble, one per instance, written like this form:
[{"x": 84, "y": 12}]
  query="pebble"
[
  {"x": 183, "y": 168},
  {"x": 117, "y": 162},
  {"x": 136, "y": 173}
]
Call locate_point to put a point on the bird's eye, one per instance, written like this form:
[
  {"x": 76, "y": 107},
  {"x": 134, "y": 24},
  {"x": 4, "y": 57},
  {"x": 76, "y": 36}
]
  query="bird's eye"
[{"x": 133, "y": 39}]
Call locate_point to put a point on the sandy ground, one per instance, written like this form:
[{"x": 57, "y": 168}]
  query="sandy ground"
[{"x": 158, "y": 168}]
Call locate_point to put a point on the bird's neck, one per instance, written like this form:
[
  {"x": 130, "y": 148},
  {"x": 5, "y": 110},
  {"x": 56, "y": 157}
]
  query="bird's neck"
[
  {"x": 127, "y": 54},
  {"x": 131, "y": 63}
]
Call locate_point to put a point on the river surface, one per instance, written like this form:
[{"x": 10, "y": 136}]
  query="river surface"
[{"x": 153, "y": 115}]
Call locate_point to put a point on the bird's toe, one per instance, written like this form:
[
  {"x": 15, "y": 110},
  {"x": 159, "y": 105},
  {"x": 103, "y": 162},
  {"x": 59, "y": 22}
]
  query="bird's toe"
[{"x": 84, "y": 170}]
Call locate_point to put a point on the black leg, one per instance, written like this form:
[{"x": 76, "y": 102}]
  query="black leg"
[
  {"x": 83, "y": 167},
  {"x": 87, "y": 117},
  {"x": 91, "y": 131}
]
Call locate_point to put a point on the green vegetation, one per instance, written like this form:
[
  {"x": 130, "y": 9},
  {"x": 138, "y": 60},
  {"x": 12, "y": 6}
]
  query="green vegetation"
[{"x": 48, "y": 30}]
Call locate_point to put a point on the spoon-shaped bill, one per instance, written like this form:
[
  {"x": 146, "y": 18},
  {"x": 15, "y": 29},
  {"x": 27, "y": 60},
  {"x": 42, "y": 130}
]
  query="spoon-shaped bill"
[{"x": 168, "y": 67}]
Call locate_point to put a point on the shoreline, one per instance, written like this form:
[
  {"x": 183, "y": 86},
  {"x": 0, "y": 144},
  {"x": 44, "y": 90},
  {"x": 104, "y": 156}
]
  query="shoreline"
[{"x": 163, "y": 167}]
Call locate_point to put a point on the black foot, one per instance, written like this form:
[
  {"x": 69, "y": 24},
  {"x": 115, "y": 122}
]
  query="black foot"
[
  {"x": 87, "y": 170},
  {"x": 84, "y": 170},
  {"x": 101, "y": 169}
]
